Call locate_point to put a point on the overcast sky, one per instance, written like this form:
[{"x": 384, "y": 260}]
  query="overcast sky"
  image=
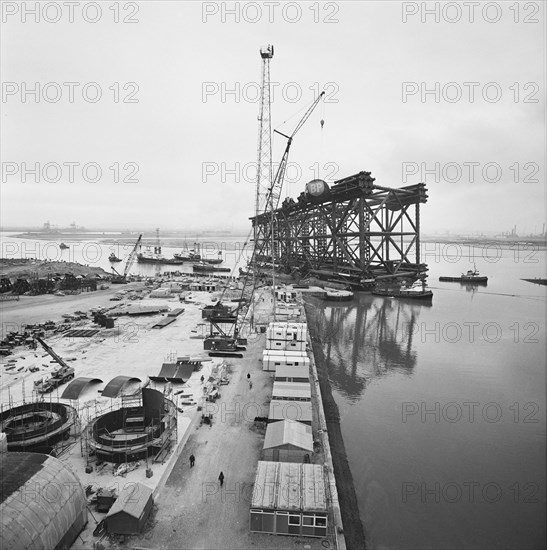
[{"x": 177, "y": 118}]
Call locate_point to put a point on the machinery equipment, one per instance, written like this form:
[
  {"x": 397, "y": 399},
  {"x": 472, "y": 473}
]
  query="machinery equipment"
[
  {"x": 59, "y": 376},
  {"x": 120, "y": 279}
]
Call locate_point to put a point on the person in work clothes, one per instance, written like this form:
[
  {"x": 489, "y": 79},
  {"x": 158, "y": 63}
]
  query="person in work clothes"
[
  {"x": 192, "y": 460},
  {"x": 221, "y": 478}
]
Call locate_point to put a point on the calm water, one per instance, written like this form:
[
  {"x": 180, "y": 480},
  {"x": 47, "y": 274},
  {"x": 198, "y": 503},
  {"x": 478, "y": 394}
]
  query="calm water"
[
  {"x": 95, "y": 252},
  {"x": 443, "y": 407}
]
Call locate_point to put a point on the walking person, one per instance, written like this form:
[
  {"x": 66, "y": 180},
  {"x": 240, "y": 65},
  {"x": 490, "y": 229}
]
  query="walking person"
[
  {"x": 248, "y": 376},
  {"x": 221, "y": 478},
  {"x": 192, "y": 460}
]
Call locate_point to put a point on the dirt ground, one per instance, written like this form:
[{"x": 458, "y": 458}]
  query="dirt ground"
[
  {"x": 191, "y": 510},
  {"x": 14, "y": 268}
]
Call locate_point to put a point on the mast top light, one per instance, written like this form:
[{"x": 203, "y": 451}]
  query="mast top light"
[{"x": 267, "y": 52}]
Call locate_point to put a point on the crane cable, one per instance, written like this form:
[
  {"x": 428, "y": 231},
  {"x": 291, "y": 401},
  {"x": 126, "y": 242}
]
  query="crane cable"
[{"x": 322, "y": 122}]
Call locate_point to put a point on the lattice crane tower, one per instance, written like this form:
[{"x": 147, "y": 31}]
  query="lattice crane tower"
[{"x": 264, "y": 164}]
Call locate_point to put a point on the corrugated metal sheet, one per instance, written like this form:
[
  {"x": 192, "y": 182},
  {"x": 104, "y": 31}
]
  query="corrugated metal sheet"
[
  {"x": 285, "y": 371},
  {"x": 176, "y": 372},
  {"x": 295, "y": 390},
  {"x": 288, "y": 432},
  {"x": 43, "y": 504},
  {"x": 290, "y": 410},
  {"x": 77, "y": 386},
  {"x": 290, "y": 487},
  {"x": 313, "y": 488},
  {"x": 264, "y": 490},
  {"x": 115, "y": 386}
]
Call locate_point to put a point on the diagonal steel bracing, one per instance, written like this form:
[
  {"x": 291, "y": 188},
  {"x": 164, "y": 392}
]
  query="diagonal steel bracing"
[{"x": 354, "y": 231}]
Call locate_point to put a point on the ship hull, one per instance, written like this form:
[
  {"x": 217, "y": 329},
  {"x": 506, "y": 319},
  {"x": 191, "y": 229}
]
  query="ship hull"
[
  {"x": 465, "y": 280},
  {"x": 425, "y": 296}
]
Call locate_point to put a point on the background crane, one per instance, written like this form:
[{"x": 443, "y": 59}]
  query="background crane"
[
  {"x": 265, "y": 241},
  {"x": 122, "y": 278}
]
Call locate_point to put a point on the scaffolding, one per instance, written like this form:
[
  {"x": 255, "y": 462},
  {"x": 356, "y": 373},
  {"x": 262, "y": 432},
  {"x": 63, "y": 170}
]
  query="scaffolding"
[
  {"x": 131, "y": 430},
  {"x": 39, "y": 426}
]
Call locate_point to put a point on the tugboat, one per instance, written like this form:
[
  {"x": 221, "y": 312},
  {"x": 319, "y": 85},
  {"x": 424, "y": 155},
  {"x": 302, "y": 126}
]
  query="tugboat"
[
  {"x": 148, "y": 258},
  {"x": 218, "y": 260},
  {"x": 113, "y": 258},
  {"x": 63, "y": 246},
  {"x": 471, "y": 277},
  {"x": 156, "y": 257},
  {"x": 190, "y": 256},
  {"x": 409, "y": 292}
]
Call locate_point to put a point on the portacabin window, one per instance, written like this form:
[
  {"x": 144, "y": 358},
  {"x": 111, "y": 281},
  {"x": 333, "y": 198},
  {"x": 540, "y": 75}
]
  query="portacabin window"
[
  {"x": 320, "y": 521},
  {"x": 294, "y": 520}
]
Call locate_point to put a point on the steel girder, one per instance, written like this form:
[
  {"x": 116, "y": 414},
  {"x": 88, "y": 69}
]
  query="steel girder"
[{"x": 355, "y": 231}]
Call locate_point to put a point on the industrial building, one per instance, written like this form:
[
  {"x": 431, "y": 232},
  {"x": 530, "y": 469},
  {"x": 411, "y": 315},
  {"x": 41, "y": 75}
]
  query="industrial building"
[
  {"x": 271, "y": 359},
  {"x": 281, "y": 409},
  {"x": 286, "y": 336},
  {"x": 130, "y": 512},
  {"x": 291, "y": 391},
  {"x": 287, "y": 331},
  {"x": 43, "y": 504},
  {"x": 289, "y": 499},
  {"x": 286, "y": 373},
  {"x": 288, "y": 441}
]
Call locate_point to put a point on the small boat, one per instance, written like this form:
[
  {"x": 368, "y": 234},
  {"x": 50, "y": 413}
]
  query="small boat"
[
  {"x": 472, "y": 276},
  {"x": 145, "y": 258},
  {"x": 536, "y": 281},
  {"x": 190, "y": 256},
  {"x": 218, "y": 260},
  {"x": 409, "y": 293},
  {"x": 63, "y": 246},
  {"x": 113, "y": 258},
  {"x": 335, "y": 295},
  {"x": 203, "y": 267}
]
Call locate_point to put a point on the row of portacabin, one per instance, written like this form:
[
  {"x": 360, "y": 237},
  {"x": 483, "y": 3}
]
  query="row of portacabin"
[
  {"x": 289, "y": 495},
  {"x": 271, "y": 359},
  {"x": 289, "y": 499}
]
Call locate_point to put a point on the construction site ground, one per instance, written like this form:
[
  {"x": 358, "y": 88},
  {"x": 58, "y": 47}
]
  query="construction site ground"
[{"x": 191, "y": 510}]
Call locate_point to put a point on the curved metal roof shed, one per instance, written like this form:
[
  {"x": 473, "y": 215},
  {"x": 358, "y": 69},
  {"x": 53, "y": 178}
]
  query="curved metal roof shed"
[
  {"x": 115, "y": 386},
  {"x": 77, "y": 386},
  {"x": 42, "y": 503}
]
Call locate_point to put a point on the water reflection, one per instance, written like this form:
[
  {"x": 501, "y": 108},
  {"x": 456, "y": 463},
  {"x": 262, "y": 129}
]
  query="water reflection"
[{"x": 365, "y": 339}]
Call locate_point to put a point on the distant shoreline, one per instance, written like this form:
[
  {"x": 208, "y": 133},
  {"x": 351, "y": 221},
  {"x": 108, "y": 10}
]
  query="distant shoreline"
[
  {"x": 123, "y": 234},
  {"x": 170, "y": 235}
]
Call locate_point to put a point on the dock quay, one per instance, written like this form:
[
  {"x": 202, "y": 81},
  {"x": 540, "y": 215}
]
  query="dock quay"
[{"x": 190, "y": 508}]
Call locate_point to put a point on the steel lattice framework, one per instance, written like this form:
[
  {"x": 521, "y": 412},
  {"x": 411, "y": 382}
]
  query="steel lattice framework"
[{"x": 355, "y": 232}]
